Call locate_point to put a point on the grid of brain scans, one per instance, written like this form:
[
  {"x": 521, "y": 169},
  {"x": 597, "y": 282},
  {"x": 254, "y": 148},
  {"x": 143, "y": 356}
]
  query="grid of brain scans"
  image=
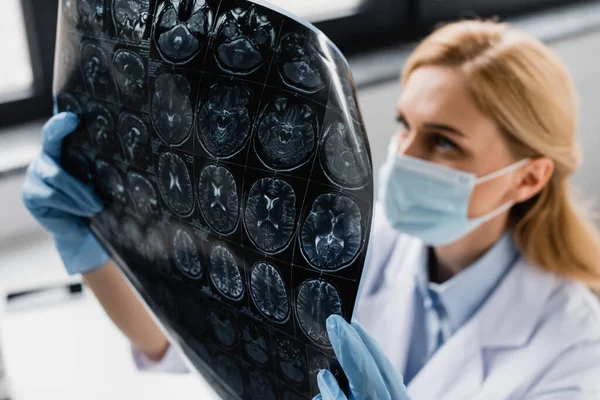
[{"x": 225, "y": 140}]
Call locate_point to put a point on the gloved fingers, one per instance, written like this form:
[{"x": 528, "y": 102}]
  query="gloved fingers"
[
  {"x": 55, "y": 130},
  {"x": 39, "y": 197},
  {"x": 56, "y": 177},
  {"x": 318, "y": 397},
  {"x": 329, "y": 387},
  {"x": 392, "y": 378},
  {"x": 366, "y": 382}
]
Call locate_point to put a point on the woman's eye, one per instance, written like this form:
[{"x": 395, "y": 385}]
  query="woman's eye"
[
  {"x": 403, "y": 127},
  {"x": 443, "y": 143},
  {"x": 402, "y": 122}
]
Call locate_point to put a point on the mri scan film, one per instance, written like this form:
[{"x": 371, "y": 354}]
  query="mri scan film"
[
  {"x": 331, "y": 235},
  {"x": 269, "y": 292},
  {"x": 171, "y": 107},
  {"x": 181, "y": 28},
  {"x": 245, "y": 38},
  {"x": 270, "y": 214},
  {"x": 218, "y": 198},
  {"x": 131, "y": 18},
  {"x": 286, "y": 134},
  {"x": 225, "y": 273},
  {"x": 175, "y": 183},
  {"x": 224, "y": 139},
  {"x": 224, "y": 120}
]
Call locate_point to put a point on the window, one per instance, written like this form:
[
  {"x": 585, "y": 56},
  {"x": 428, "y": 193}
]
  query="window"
[
  {"x": 27, "y": 36},
  {"x": 320, "y": 10},
  {"x": 16, "y": 75}
]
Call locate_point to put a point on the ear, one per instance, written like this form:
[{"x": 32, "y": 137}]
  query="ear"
[{"x": 533, "y": 178}]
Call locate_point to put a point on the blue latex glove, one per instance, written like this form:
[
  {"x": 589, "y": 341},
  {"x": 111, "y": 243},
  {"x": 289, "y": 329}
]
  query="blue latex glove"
[
  {"x": 370, "y": 373},
  {"x": 58, "y": 200}
]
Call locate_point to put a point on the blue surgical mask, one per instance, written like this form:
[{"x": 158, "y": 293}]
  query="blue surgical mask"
[{"x": 430, "y": 201}]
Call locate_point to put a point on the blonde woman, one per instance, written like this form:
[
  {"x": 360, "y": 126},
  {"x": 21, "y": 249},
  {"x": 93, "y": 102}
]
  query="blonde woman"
[{"x": 479, "y": 281}]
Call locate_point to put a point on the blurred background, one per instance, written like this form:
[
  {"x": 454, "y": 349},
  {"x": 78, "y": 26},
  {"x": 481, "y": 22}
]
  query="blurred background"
[{"x": 57, "y": 344}]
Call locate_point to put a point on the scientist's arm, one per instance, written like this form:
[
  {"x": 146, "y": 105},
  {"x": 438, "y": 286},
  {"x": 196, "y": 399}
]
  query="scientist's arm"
[
  {"x": 58, "y": 201},
  {"x": 126, "y": 311}
]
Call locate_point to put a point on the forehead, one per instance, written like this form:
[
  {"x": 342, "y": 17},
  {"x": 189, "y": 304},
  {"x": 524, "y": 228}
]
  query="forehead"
[{"x": 435, "y": 94}]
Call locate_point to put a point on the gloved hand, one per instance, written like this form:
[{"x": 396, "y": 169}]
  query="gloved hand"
[
  {"x": 370, "y": 373},
  {"x": 58, "y": 200}
]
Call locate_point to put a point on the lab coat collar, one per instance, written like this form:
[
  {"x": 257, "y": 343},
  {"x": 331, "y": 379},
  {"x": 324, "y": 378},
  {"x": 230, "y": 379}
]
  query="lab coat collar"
[
  {"x": 514, "y": 296},
  {"x": 457, "y": 369},
  {"x": 523, "y": 301}
]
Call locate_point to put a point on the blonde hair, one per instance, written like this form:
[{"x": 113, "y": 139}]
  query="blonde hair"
[{"x": 524, "y": 87}]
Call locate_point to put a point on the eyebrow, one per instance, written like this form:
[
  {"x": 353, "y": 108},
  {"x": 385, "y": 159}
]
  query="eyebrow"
[
  {"x": 446, "y": 128},
  {"x": 435, "y": 126}
]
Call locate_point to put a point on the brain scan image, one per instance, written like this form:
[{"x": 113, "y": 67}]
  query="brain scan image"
[
  {"x": 222, "y": 323},
  {"x": 131, "y": 19},
  {"x": 181, "y": 29},
  {"x": 260, "y": 387},
  {"x": 224, "y": 120},
  {"x": 100, "y": 126},
  {"x": 270, "y": 214},
  {"x": 171, "y": 108},
  {"x": 95, "y": 69},
  {"x": 175, "y": 184},
  {"x": 331, "y": 235},
  {"x": 244, "y": 40},
  {"x": 286, "y": 134},
  {"x": 218, "y": 198},
  {"x": 130, "y": 76},
  {"x": 344, "y": 157},
  {"x": 225, "y": 273},
  {"x": 110, "y": 183},
  {"x": 133, "y": 134},
  {"x": 186, "y": 254},
  {"x": 268, "y": 292},
  {"x": 317, "y": 300},
  {"x": 157, "y": 252},
  {"x": 255, "y": 340},
  {"x": 228, "y": 369},
  {"x": 133, "y": 237},
  {"x": 67, "y": 102},
  {"x": 301, "y": 64},
  {"x": 291, "y": 361},
  {"x": 91, "y": 14},
  {"x": 142, "y": 194}
]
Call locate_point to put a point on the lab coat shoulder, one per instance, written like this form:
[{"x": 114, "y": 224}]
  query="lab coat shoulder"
[
  {"x": 385, "y": 242},
  {"x": 570, "y": 327},
  {"x": 540, "y": 336}
]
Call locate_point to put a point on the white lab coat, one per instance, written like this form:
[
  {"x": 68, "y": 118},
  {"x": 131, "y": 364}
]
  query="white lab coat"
[{"x": 536, "y": 337}]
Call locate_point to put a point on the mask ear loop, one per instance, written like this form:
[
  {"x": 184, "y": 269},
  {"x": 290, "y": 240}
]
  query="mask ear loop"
[
  {"x": 502, "y": 208},
  {"x": 503, "y": 171},
  {"x": 494, "y": 213}
]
